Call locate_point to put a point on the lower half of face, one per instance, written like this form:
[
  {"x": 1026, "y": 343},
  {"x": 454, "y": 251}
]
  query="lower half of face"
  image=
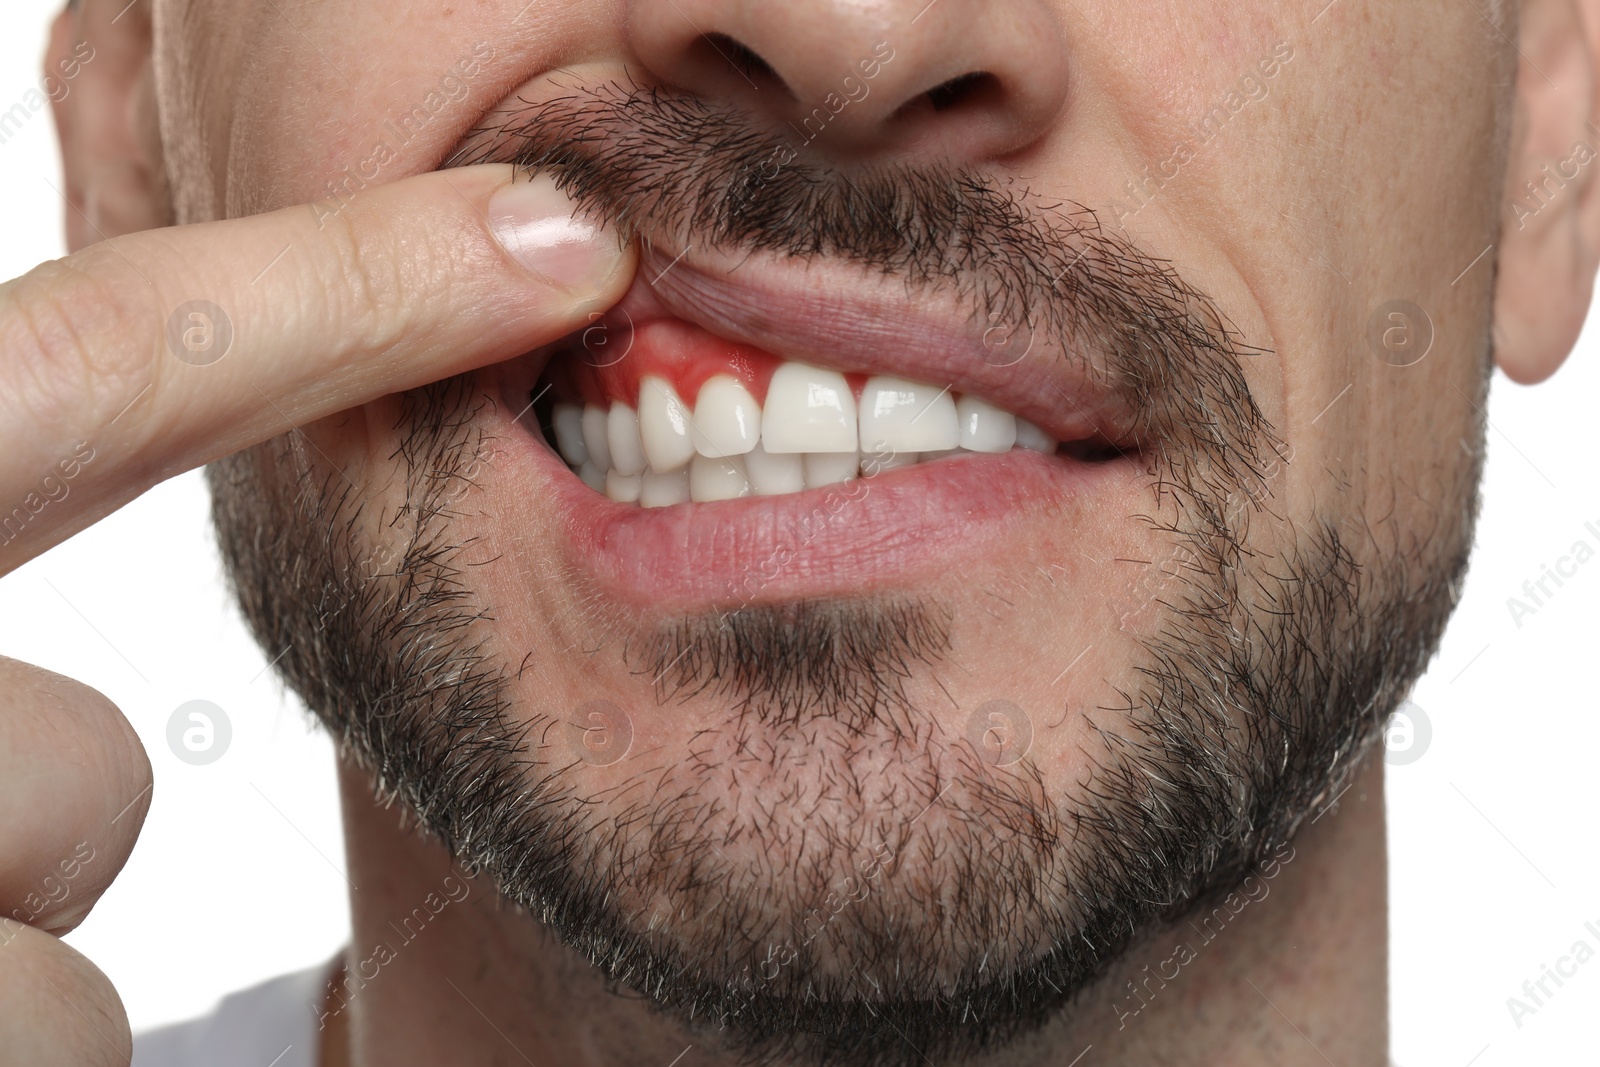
[
  {"x": 810, "y": 686},
  {"x": 900, "y": 741}
]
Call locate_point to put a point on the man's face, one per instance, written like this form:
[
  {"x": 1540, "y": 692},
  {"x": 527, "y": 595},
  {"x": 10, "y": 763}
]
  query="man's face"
[{"x": 930, "y": 745}]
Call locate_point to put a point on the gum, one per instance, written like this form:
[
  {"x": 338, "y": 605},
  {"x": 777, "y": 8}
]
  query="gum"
[{"x": 686, "y": 355}]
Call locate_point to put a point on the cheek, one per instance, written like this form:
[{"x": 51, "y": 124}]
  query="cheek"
[{"x": 440, "y": 67}]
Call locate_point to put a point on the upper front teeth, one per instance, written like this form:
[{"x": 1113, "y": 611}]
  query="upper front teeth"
[
  {"x": 984, "y": 427},
  {"x": 811, "y": 432},
  {"x": 664, "y": 425},
  {"x": 622, "y": 436},
  {"x": 908, "y": 416},
  {"x": 727, "y": 419},
  {"x": 809, "y": 410},
  {"x": 1030, "y": 436},
  {"x": 596, "y": 437}
]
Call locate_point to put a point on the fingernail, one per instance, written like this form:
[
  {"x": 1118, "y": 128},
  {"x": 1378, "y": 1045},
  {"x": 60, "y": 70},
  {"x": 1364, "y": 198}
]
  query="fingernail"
[{"x": 534, "y": 221}]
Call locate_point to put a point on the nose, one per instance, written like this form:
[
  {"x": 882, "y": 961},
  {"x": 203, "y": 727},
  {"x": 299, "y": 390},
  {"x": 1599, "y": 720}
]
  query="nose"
[{"x": 972, "y": 79}]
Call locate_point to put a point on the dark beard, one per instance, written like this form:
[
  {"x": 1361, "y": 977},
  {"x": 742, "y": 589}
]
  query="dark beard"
[
  {"x": 791, "y": 664},
  {"x": 1246, "y": 723},
  {"x": 986, "y": 898}
]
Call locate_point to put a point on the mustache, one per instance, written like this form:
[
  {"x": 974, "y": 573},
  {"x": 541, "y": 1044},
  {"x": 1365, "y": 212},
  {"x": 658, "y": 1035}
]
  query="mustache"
[{"x": 664, "y": 167}]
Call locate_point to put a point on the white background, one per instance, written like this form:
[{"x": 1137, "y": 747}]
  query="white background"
[{"x": 238, "y": 874}]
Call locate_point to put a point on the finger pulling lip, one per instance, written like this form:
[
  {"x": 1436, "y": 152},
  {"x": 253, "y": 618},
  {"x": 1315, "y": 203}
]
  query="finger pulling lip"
[
  {"x": 904, "y": 527},
  {"x": 844, "y": 313},
  {"x": 900, "y": 528}
]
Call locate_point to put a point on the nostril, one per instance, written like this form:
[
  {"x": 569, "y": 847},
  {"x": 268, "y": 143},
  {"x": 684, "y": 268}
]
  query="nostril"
[
  {"x": 724, "y": 49},
  {"x": 964, "y": 89},
  {"x": 964, "y": 85}
]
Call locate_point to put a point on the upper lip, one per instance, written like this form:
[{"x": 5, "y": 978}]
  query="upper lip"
[{"x": 849, "y": 319}]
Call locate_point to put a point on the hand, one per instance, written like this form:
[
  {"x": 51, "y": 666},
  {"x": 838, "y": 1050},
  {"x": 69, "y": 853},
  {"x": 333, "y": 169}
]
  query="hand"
[{"x": 144, "y": 356}]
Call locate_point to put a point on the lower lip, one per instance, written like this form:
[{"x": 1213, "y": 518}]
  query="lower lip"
[{"x": 900, "y": 528}]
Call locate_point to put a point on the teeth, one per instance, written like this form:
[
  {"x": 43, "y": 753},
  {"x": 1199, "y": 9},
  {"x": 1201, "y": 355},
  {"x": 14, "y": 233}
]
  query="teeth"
[
  {"x": 808, "y": 410},
  {"x": 727, "y": 419},
  {"x": 812, "y": 433},
  {"x": 830, "y": 468},
  {"x": 907, "y": 416},
  {"x": 771, "y": 475},
  {"x": 594, "y": 436},
  {"x": 984, "y": 427},
  {"x": 663, "y": 426},
  {"x": 622, "y": 434},
  {"x": 567, "y": 421},
  {"x": 623, "y": 488},
  {"x": 1030, "y": 436},
  {"x": 886, "y": 460},
  {"x": 593, "y": 476},
  {"x": 717, "y": 479},
  {"x": 664, "y": 490}
]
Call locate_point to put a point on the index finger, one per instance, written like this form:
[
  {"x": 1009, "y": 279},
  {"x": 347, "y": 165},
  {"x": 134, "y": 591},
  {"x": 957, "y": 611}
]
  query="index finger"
[{"x": 144, "y": 356}]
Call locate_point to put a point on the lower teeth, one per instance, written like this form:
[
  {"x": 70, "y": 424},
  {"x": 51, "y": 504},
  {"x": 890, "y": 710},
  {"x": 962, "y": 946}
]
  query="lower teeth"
[
  {"x": 706, "y": 479},
  {"x": 756, "y": 473}
]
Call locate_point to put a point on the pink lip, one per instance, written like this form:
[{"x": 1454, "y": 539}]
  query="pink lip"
[{"x": 900, "y": 528}]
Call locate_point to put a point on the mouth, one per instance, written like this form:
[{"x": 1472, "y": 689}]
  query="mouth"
[
  {"x": 826, "y": 379},
  {"x": 728, "y": 435},
  {"x": 681, "y": 415}
]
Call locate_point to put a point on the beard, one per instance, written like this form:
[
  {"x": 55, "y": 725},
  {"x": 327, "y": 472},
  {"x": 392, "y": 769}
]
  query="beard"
[{"x": 897, "y": 892}]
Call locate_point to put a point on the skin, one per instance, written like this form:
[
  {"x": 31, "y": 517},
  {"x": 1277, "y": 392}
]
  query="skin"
[{"x": 1344, "y": 188}]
